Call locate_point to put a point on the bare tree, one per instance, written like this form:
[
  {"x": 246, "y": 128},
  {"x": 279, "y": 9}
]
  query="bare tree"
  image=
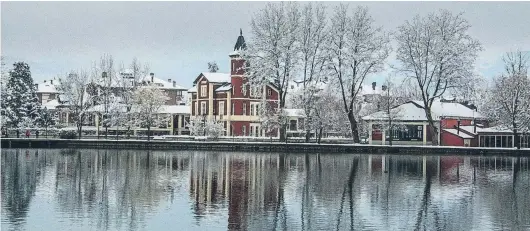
[
  {"x": 148, "y": 102},
  {"x": 437, "y": 55},
  {"x": 313, "y": 35},
  {"x": 212, "y": 67},
  {"x": 131, "y": 78},
  {"x": 389, "y": 101},
  {"x": 356, "y": 49},
  {"x": 107, "y": 83},
  {"x": 509, "y": 99},
  {"x": 271, "y": 57},
  {"x": 74, "y": 90}
]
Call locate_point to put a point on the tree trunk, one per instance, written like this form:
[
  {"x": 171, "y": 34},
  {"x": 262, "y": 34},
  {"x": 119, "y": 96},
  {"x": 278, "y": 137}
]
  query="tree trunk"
[
  {"x": 516, "y": 139},
  {"x": 79, "y": 130},
  {"x": 434, "y": 130},
  {"x": 390, "y": 131},
  {"x": 148, "y": 133},
  {"x": 320, "y": 135},
  {"x": 46, "y": 130},
  {"x": 308, "y": 135},
  {"x": 283, "y": 130},
  {"x": 434, "y": 134},
  {"x": 106, "y": 131},
  {"x": 354, "y": 127}
]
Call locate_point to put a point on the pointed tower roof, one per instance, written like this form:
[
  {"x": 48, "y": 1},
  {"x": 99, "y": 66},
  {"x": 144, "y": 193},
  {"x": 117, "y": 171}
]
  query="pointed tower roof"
[{"x": 240, "y": 43}]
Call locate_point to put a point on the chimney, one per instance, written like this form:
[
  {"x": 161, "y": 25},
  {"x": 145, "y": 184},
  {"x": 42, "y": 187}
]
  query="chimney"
[
  {"x": 51, "y": 81},
  {"x": 174, "y": 83},
  {"x": 104, "y": 74},
  {"x": 152, "y": 76},
  {"x": 373, "y": 85},
  {"x": 169, "y": 80},
  {"x": 36, "y": 86},
  {"x": 44, "y": 81}
]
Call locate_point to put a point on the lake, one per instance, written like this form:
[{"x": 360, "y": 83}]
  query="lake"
[{"x": 184, "y": 190}]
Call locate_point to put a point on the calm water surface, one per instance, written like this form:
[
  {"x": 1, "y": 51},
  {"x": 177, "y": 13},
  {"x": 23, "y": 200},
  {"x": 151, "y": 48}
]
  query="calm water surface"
[{"x": 140, "y": 190}]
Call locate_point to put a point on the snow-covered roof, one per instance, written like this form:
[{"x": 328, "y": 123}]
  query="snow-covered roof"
[
  {"x": 47, "y": 87},
  {"x": 225, "y": 87},
  {"x": 294, "y": 112},
  {"x": 459, "y": 134},
  {"x": 117, "y": 81},
  {"x": 408, "y": 112},
  {"x": 176, "y": 109},
  {"x": 413, "y": 111},
  {"x": 215, "y": 77},
  {"x": 165, "y": 109},
  {"x": 368, "y": 90},
  {"x": 496, "y": 129},
  {"x": 51, "y": 105},
  {"x": 192, "y": 90},
  {"x": 162, "y": 83},
  {"x": 470, "y": 129}
]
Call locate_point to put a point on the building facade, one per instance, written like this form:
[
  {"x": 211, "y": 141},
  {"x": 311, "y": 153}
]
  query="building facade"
[{"x": 229, "y": 98}]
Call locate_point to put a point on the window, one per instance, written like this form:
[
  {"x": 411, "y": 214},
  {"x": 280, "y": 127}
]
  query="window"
[
  {"x": 233, "y": 67},
  {"x": 251, "y": 109},
  {"x": 196, "y": 109},
  {"x": 269, "y": 92},
  {"x": 233, "y": 107},
  {"x": 244, "y": 90},
  {"x": 204, "y": 91},
  {"x": 292, "y": 125},
  {"x": 244, "y": 130},
  {"x": 244, "y": 109},
  {"x": 252, "y": 91},
  {"x": 203, "y": 108},
  {"x": 251, "y": 130},
  {"x": 257, "y": 109},
  {"x": 221, "y": 108}
]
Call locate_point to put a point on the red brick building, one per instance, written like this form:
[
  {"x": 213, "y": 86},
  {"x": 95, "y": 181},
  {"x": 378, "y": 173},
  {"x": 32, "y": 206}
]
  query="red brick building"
[{"x": 230, "y": 98}]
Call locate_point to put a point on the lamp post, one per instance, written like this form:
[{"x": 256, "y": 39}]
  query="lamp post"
[{"x": 204, "y": 124}]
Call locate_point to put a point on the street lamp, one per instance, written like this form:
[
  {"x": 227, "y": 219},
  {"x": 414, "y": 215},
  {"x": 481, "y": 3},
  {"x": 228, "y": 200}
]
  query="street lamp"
[{"x": 204, "y": 124}]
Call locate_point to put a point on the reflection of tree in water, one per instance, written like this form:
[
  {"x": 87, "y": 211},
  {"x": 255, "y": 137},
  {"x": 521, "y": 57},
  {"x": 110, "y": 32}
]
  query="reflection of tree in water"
[
  {"x": 120, "y": 189},
  {"x": 116, "y": 188},
  {"x": 20, "y": 173}
]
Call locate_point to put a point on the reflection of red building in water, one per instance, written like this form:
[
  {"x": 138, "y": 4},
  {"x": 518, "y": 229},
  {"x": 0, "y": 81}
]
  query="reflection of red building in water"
[
  {"x": 229, "y": 98},
  {"x": 241, "y": 181}
]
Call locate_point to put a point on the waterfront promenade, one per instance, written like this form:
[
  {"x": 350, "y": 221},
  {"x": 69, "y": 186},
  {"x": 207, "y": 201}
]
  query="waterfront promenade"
[{"x": 256, "y": 147}]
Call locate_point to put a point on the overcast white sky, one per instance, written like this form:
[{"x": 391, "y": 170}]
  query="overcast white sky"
[{"x": 177, "y": 39}]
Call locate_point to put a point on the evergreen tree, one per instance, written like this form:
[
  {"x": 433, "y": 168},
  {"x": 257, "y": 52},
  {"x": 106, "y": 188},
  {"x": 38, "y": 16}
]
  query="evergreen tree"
[{"x": 20, "y": 105}]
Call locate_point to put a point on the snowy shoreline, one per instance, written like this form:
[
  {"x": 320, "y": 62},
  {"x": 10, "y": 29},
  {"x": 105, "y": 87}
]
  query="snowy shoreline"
[{"x": 256, "y": 147}]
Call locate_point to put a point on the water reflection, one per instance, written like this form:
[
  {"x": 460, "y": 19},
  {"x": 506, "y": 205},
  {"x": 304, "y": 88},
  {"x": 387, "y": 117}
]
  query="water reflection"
[{"x": 140, "y": 190}]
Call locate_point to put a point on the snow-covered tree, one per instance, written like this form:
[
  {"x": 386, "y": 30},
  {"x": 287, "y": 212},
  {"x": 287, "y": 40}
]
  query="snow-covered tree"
[
  {"x": 20, "y": 106},
  {"x": 357, "y": 48},
  {"x": 313, "y": 33},
  {"x": 392, "y": 96},
  {"x": 212, "y": 67},
  {"x": 271, "y": 118},
  {"x": 47, "y": 119},
  {"x": 214, "y": 128},
  {"x": 509, "y": 99},
  {"x": 328, "y": 114},
  {"x": 196, "y": 126},
  {"x": 437, "y": 54},
  {"x": 105, "y": 87},
  {"x": 272, "y": 54},
  {"x": 74, "y": 93},
  {"x": 129, "y": 83},
  {"x": 148, "y": 103}
]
